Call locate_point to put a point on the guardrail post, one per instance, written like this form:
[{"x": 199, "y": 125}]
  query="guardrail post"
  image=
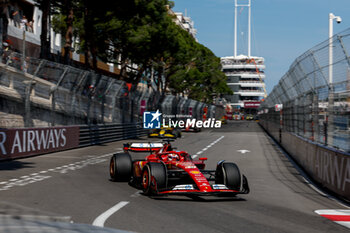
[
  {"x": 114, "y": 100},
  {"x": 281, "y": 126},
  {"x": 330, "y": 126},
  {"x": 39, "y": 67},
  {"x": 73, "y": 108},
  {"x": 113, "y": 107},
  {"x": 88, "y": 110},
  {"x": 62, "y": 76},
  {"x": 28, "y": 92},
  {"x": 132, "y": 111},
  {"x": 11, "y": 81},
  {"x": 123, "y": 109},
  {"x": 53, "y": 104},
  {"x": 104, "y": 101},
  {"x": 344, "y": 49},
  {"x": 316, "y": 129}
]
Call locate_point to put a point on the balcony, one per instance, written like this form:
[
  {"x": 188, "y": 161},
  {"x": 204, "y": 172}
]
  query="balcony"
[
  {"x": 250, "y": 93},
  {"x": 242, "y": 66},
  {"x": 247, "y": 84},
  {"x": 246, "y": 74},
  {"x": 251, "y": 84},
  {"x": 17, "y": 32}
]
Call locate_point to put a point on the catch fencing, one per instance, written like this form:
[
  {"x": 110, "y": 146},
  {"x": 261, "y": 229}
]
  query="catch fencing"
[
  {"x": 55, "y": 94},
  {"x": 315, "y": 96}
]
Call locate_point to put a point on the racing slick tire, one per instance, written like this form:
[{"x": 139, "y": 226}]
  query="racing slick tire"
[
  {"x": 158, "y": 171},
  {"x": 120, "y": 167},
  {"x": 228, "y": 174}
]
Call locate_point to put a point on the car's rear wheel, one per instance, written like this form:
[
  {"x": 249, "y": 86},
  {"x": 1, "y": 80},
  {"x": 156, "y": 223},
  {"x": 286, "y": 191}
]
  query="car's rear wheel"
[
  {"x": 228, "y": 174},
  {"x": 120, "y": 167},
  {"x": 154, "y": 178}
]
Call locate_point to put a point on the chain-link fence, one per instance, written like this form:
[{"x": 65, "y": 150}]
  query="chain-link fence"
[
  {"x": 81, "y": 96},
  {"x": 316, "y": 95}
]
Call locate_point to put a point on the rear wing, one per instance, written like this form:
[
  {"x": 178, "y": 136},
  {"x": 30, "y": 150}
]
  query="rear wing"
[{"x": 143, "y": 147}]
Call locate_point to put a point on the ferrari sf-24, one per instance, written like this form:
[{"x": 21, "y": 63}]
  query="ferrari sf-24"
[{"x": 166, "y": 171}]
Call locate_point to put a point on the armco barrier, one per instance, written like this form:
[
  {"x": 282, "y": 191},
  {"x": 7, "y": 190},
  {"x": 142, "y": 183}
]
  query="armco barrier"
[
  {"x": 327, "y": 166},
  {"x": 26, "y": 142},
  {"x": 96, "y": 134}
]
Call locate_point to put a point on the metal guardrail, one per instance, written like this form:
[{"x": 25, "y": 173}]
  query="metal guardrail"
[
  {"x": 43, "y": 140},
  {"x": 98, "y": 134}
]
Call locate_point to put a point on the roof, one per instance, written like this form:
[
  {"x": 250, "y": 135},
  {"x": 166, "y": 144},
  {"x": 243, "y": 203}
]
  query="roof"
[{"x": 241, "y": 57}]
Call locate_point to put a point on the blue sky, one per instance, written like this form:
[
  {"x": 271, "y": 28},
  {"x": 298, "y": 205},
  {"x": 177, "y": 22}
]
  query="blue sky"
[{"x": 282, "y": 30}]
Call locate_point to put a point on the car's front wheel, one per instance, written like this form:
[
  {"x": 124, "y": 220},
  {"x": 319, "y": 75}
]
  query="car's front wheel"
[
  {"x": 228, "y": 173},
  {"x": 154, "y": 178}
]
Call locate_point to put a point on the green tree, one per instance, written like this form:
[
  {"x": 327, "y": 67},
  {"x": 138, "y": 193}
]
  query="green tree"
[{"x": 141, "y": 37}]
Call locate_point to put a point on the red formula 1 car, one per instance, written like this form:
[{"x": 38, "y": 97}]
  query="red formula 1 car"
[
  {"x": 166, "y": 171},
  {"x": 191, "y": 128}
]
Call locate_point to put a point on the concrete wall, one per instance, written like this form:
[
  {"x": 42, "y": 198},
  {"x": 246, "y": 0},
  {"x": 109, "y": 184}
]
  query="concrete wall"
[
  {"x": 27, "y": 101},
  {"x": 329, "y": 167}
]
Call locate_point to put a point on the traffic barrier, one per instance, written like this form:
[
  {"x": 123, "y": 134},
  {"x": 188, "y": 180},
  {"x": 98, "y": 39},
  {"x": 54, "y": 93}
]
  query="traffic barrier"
[
  {"x": 327, "y": 166},
  {"x": 50, "y": 94},
  {"x": 97, "y": 134},
  {"x": 25, "y": 142}
]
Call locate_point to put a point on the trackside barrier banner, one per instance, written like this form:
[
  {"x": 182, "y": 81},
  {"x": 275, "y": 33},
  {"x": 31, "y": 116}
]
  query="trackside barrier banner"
[
  {"x": 16, "y": 143},
  {"x": 329, "y": 167},
  {"x": 251, "y": 104}
]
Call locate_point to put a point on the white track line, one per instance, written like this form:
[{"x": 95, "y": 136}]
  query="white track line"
[
  {"x": 100, "y": 220},
  {"x": 333, "y": 212},
  {"x": 38, "y": 176},
  {"x": 207, "y": 147}
]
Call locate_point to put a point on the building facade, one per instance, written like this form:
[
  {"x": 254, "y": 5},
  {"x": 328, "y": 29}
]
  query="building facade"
[
  {"x": 245, "y": 77},
  {"x": 183, "y": 21},
  {"x": 186, "y": 23},
  {"x": 24, "y": 15}
]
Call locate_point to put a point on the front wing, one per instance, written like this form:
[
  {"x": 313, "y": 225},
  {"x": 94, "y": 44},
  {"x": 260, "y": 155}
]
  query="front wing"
[
  {"x": 213, "y": 190},
  {"x": 225, "y": 193}
]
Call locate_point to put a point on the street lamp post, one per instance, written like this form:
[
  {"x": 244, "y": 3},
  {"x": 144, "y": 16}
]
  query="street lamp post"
[
  {"x": 338, "y": 19},
  {"x": 330, "y": 128}
]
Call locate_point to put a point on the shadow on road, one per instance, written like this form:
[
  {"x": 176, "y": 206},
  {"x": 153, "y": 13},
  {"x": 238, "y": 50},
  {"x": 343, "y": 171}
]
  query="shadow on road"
[
  {"x": 199, "y": 199},
  {"x": 15, "y": 165}
]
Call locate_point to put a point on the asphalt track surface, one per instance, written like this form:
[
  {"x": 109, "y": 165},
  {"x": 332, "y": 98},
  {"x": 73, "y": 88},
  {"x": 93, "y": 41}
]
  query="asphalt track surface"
[{"x": 75, "y": 185}]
